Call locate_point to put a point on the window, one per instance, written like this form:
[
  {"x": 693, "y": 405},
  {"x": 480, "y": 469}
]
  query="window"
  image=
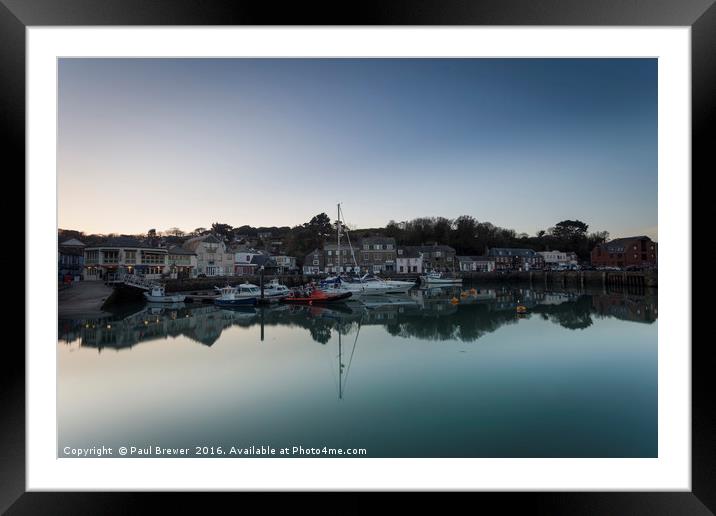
[
  {"x": 389, "y": 247},
  {"x": 130, "y": 256},
  {"x": 110, "y": 256},
  {"x": 315, "y": 262},
  {"x": 330, "y": 253}
]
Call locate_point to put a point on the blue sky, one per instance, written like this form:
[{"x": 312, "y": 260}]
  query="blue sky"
[{"x": 522, "y": 143}]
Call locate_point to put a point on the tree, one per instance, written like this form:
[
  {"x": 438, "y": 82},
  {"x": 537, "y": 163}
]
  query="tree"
[
  {"x": 393, "y": 230},
  {"x": 320, "y": 225},
  {"x": 225, "y": 231},
  {"x": 198, "y": 231},
  {"x": 570, "y": 229},
  {"x": 464, "y": 235},
  {"x": 174, "y": 232}
]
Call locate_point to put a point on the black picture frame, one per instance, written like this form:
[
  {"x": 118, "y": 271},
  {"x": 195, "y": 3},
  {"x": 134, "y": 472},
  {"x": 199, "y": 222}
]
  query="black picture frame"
[{"x": 700, "y": 15}]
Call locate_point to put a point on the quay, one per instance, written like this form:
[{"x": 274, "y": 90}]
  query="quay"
[
  {"x": 640, "y": 279},
  {"x": 83, "y": 299}
]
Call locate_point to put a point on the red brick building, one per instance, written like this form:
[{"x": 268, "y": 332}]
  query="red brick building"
[{"x": 638, "y": 251}]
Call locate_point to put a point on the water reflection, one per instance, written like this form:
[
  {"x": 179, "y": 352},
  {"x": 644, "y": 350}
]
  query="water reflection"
[{"x": 433, "y": 314}]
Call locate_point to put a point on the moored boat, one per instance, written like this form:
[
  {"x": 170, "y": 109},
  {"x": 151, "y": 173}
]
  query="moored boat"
[
  {"x": 158, "y": 295},
  {"x": 245, "y": 294},
  {"x": 274, "y": 290},
  {"x": 367, "y": 285},
  {"x": 310, "y": 295},
  {"x": 438, "y": 278}
]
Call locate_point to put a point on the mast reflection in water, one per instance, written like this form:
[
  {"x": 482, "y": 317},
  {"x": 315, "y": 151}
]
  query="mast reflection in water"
[{"x": 401, "y": 376}]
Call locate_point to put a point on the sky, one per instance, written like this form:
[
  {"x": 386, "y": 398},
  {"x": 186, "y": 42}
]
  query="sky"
[{"x": 521, "y": 143}]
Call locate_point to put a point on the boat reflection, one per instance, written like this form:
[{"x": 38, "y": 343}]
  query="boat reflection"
[{"x": 445, "y": 313}]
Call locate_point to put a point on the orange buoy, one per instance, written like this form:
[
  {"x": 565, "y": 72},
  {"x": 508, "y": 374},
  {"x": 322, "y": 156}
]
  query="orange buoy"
[{"x": 454, "y": 300}]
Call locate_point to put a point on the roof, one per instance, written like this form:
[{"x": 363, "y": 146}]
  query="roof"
[
  {"x": 263, "y": 260},
  {"x": 430, "y": 248},
  {"x": 72, "y": 242},
  {"x": 123, "y": 241},
  {"x": 475, "y": 258},
  {"x": 508, "y": 251},
  {"x": 619, "y": 245},
  {"x": 195, "y": 242},
  {"x": 71, "y": 251},
  {"x": 378, "y": 240},
  {"x": 177, "y": 249},
  {"x": 406, "y": 252}
]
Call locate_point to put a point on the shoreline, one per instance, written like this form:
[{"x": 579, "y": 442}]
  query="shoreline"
[{"x": 83, "y": 299}]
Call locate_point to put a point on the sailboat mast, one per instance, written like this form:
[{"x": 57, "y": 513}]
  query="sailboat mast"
[{"x": 338, "y": 232}]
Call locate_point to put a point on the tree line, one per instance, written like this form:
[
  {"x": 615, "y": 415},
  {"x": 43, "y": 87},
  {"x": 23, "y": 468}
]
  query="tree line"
[{"x": 465, "y": 234}]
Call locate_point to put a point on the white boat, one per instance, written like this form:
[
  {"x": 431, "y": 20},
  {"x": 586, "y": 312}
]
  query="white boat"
[
  {"x": 244, "y": 294},
  {"x": 365, "y": 286},
  {"x": 438, "y": 278},
  {"x": 274, "y": 290},
  {"x": 158, "y": 295}
]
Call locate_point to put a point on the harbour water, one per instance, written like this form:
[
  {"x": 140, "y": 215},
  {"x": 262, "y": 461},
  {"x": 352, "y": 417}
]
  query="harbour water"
[{"x": 451, "y": 372}]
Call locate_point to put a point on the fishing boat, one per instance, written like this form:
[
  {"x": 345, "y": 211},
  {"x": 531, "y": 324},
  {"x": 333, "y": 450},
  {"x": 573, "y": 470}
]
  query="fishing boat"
[
  {"x": 274, "y": 290},
  {"x": 244, "y": 294},
  {"x": 158, "y": 295},
  {"x": 439, "y": 278},
  {"x": 310, "y": 295}
]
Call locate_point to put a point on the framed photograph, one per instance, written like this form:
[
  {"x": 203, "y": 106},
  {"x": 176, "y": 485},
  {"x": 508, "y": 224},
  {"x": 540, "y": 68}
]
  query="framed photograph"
[{"x": 418, "y": 250}]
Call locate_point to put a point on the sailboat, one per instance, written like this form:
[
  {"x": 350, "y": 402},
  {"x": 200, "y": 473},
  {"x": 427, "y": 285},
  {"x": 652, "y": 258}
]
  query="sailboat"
[{"x": 365, "y": 285}]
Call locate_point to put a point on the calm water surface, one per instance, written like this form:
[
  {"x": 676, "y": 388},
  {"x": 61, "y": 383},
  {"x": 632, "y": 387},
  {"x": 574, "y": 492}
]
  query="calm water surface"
[{"x": 418, "y": 377}]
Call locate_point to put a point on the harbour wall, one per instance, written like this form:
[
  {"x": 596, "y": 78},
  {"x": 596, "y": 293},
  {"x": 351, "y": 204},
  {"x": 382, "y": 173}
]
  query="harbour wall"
[{"x": 647, "y": 279}]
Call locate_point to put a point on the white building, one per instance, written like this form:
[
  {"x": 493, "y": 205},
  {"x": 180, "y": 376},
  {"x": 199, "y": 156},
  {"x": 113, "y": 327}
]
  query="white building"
[
  {"x": 212, "y": 258},
  {"x": 558, "y": 258},
  {"x": 124, "y": 255},
  {"x": 408, "y": 261},
  {"x": 476, "y": 263},
  {"x": 285, "y": 263},
  {"x": 182, "y": 263}
]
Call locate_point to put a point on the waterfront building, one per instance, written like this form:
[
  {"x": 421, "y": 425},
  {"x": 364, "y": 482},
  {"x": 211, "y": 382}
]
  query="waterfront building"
[
  {"x": 124, "y": 255},
  {"x": 313, "y": 262},
  {"x": 476, "y": 263},
  {"x": 182, "y": 263},
  {"x": 243, "y": 261},
  {"x": 265, "y": 261},
  {"x": 213, "y": 259},
  {"x": 285, "y": 263},
  {"x": 436, "y": 257},
  {"x": 558, "y": 258},
  {"x": 639, "y": 251},
  {"x": 70, "y": 260},
  {"x": 376, "y": 254},
  {"x": 335, "y": 263},
  {"x": 408, "y": 261},
  {"x": 516, "y": 259}
]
